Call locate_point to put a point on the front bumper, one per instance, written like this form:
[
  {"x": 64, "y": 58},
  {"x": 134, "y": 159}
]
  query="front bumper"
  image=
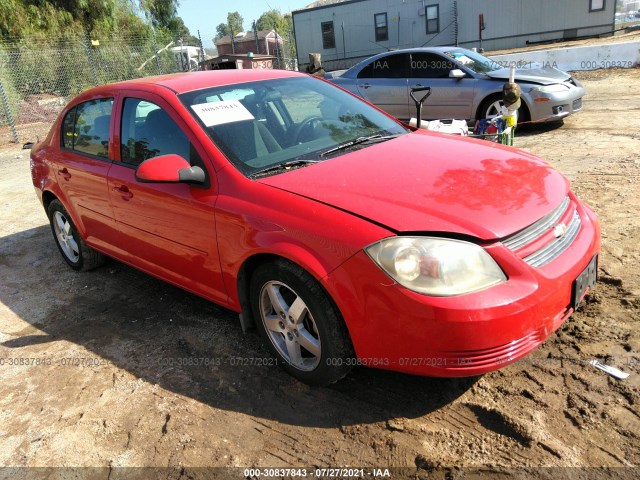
[
  {"x": 555, "y": 106},
  {"x": 396, "y": 329}
]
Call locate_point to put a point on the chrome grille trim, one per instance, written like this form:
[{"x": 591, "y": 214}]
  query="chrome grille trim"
[
  {"x": 555, "y": 248},
  {"x": 535, "y": 230}
]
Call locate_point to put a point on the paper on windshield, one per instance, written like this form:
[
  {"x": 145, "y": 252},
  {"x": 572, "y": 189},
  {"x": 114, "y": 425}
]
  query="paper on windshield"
[{"x": 218, "y": 113}]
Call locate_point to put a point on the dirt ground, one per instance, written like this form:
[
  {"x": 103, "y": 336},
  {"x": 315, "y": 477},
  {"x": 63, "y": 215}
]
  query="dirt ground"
[{"x": 113, "y": 368}]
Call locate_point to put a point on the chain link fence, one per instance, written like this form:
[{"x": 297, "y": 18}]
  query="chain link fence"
[{"x": 39, "y": 77}]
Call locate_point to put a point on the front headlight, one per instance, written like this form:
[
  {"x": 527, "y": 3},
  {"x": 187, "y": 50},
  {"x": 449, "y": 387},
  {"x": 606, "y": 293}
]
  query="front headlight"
[
  {"x": 436, "y": 266},
  {"x": 555, "y": 88}
]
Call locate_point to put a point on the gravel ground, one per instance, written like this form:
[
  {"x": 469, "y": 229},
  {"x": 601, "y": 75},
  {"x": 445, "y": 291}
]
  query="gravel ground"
[{"x": 93, "y": 370}]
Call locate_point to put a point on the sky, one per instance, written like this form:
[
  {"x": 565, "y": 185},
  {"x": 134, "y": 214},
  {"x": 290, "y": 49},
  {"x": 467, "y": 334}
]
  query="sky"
[{"x": 205, "y": 15}]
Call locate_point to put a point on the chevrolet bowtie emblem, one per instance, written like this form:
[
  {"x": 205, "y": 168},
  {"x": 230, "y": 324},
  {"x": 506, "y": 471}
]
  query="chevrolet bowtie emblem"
[{"x": 559, "y": 230}]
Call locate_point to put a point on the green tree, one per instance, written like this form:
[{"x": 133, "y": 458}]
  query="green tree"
[
  {"x": 163, "y": 12},
  {"x": 283, "y": 24},
  {"x": 235, "y": 21},
  {"x": 48, "y": 51},
  {"x": 273, "y": 20},
  {"x": 234, "y": 24},
  {"x": 42, "y": 19},
  {"x": 221, "y": 30},
  {"x": 179, "y": 29}
]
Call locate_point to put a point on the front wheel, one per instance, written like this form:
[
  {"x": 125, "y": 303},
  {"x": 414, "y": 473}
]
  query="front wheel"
[
  {"x": 492, "y": 107},
  {"x": 75, "y": 252},
  {"x": 303, "y": 327}
]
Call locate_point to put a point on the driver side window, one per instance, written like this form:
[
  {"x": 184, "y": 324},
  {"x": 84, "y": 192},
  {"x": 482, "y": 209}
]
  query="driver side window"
[
  {"x": 148, "y": 131},
  {"x": 430, "y": 65}
]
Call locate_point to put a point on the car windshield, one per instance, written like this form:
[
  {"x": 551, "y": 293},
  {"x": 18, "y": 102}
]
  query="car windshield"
[
  {"x": 288, "y": 122},
  {"x": 473, "y": 61}
]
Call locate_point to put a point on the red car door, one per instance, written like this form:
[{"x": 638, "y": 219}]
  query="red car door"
[
  {"x": 166, "y": 229},
  {"x": 82, "y": 166}
]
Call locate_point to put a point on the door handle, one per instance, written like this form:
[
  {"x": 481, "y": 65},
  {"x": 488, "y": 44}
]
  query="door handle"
[
  {"x": 65, "y": 173},
  {"x": 124, "y": 192},
  {"x": 365, "y": 85}
]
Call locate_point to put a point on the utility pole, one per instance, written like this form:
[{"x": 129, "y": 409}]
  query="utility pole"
[
  {"x": 233, "y": 45},
  {"x": 255, "y": 37},
  {"x": 344, "y": 44},
  {"x": 278, "y": 49},
  {"x": 201, "y": 56},
  {"x": 182, "y": 56}
]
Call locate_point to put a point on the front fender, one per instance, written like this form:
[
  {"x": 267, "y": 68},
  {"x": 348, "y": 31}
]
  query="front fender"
[
  {"x": 258, "y": 221},
  {"x": 318, "y": 259}
]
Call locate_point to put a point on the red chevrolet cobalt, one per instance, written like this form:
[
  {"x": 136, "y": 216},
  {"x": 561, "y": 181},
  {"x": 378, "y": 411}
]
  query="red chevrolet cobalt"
[{"x": 341, "y": 234}]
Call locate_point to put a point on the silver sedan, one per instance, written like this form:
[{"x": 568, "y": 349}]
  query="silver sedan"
[{"x": 465, "y": 85}]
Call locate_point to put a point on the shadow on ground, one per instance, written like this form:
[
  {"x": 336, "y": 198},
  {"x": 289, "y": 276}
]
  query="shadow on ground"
[
  {"x": 187, "y": 345},
  {"x": 530, "y": 129}
]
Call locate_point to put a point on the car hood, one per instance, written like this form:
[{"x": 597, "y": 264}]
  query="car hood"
[
  {"x": 542, "y": 76},
  {"x": 426, "y": 182}
]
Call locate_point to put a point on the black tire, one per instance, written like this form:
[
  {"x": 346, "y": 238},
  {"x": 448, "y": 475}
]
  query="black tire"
[
  {"x": 320, "y": 319},
  {"x": 523, "y": 111},
  {"x": 71, "y": 245}
]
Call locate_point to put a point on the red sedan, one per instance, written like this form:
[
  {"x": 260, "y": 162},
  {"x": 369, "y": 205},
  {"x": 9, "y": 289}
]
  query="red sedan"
[{"x": 341, "y": 234}]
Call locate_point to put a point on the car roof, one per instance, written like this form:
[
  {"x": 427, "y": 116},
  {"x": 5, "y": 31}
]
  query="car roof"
[
  {"x": 188, "y": 81},
  {"x": 362, "y": 63},
  {"x": 426, "y": 49}
]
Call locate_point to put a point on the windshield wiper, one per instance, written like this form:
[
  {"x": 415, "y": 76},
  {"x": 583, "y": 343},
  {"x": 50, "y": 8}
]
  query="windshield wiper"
[
  {"x": 371, "y": 138},
  {"x": 284, "y": 166}
]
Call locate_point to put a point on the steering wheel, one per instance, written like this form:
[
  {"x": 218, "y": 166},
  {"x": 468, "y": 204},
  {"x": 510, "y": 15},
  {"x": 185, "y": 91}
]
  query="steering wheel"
[{"x": 304, "y": 127}]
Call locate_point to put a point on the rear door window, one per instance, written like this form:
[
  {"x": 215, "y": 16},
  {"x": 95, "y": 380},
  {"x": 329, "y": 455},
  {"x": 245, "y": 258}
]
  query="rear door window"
[
  {"x": 391, "y": 66},
  {"x": 85, "y": 129},
  {"x": 68, "y": 129}
]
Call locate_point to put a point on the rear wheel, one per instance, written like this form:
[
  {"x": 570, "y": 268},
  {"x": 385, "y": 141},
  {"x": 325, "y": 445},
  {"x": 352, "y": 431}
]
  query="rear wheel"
[
  {"x": 71, "y": 245},
  {"x": 303, "y": 327}
]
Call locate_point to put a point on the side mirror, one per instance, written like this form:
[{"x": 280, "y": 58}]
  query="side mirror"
[
  {"x": 457, "y": 73},
  {"x": 170, "y": 168}
]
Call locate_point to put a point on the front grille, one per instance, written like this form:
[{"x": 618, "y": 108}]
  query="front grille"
[
  {"x": 553, "y": 248},
  {"x": 523, "y": 237}
]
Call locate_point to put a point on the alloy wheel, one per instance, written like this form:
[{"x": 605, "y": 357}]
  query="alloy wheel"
[
  {"x": 290, "y": 326},
  {"x": 64, "y": 235}
]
